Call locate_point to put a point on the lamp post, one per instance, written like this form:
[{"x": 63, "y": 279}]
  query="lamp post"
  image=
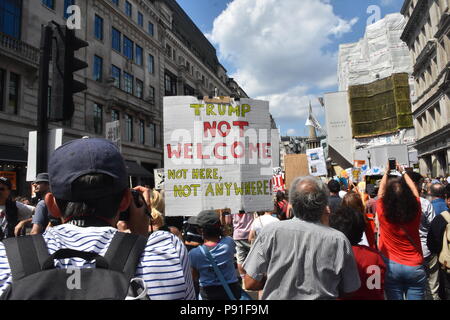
[{"x": 368, "y": 157}]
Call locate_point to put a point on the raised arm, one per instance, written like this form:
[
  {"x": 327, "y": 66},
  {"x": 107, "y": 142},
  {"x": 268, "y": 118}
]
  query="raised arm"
[
  {"x": 411, "y": 184},
  {"x": 383, "y": 185}
]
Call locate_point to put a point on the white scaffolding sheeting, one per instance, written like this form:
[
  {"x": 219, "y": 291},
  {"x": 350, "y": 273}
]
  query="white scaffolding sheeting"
[{"x": 378, "y": 55}]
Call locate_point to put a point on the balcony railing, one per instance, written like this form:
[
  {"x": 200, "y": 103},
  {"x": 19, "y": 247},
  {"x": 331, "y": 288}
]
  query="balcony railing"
[{"x": 19, "y": 49}]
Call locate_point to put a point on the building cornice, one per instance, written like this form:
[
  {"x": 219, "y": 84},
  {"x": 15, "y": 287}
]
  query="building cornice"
[
  {"x": 424, "y": 56},
  {"x": 405, "y": 6},
  {"x": 413, "y": 22},
  {"x": 180, "y": 46},
  {"x": 443, "y": 72},
  {"x": 443, "y": 26},
  {"x": 433, "y": 137}
]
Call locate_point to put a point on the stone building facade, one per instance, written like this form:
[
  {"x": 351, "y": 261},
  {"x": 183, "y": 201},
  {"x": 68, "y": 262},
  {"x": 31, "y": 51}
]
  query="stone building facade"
[
  {"x": 427, "y": 35},
  {"x": 139, "y": 51}
]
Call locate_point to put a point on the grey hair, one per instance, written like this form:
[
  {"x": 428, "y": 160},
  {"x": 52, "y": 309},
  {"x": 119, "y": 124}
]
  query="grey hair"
[{"x": 309, "y": 203}]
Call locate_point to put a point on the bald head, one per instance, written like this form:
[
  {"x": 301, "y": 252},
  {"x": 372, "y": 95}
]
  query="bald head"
[
  {"x": 309, "y": 198},
  {"x": 437, "y": 190}
]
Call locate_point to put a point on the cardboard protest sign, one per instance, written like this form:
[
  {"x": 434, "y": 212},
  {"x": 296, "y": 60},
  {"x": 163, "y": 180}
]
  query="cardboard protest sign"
[
  {"x": 316, "y": 162},
  {"x": 216, "y": 155}
]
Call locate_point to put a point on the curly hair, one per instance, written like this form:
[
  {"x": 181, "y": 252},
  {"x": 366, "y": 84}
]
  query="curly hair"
[{"x": 399, "y": 203}]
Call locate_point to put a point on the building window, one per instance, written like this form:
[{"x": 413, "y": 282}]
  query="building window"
[
  {"x": 128, "y": 9},
  {"x": 139, "y": 89},
  {"x": 151, "y": 64},
  {"x": 14, "y": 84},
  {"x": 128, "y": 128},
  {"x": 142, "y": 132},
  {"x": 128, "y": 82},
  {"x": 152, "y": 131},
  {"x": 170, "y": 84},
  {"x": 169, "y": 51},
  {"x": 116, "y": 2},
  {"x": 11, "y": 17},
  {"x": 152, "y": 93},
  {"x": 139, "y": 53},
  {"x": 116, "y": 39},
  {"x": 67, "y": 4},
  {"x": 98, "y": 68},
  {"x": 49, "y": 3},
  {"x": 115, "y": 115},
  {"x": 128, "y": 47},
  {"x": 98, "y": 27},
  {"x": 2, "y": 88},
  {"x": 116, "y": 74},
  {"x": 151, "y": 30},
  {"x": 98, "y": 119},
  {"x": 151, "y": 135},
  {"x": 140, "y": 19},
  {"x": 188, "y": 90}
]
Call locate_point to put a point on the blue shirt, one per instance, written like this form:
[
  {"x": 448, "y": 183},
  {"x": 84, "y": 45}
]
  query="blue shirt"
[
  {"x": 223, "y": 253},
  {"x": 439, "y": 206},
  {"x": 41, "y": 216}
]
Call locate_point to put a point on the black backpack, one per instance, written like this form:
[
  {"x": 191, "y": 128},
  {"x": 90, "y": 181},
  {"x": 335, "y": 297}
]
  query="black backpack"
[{"x": 34, "y": 276}]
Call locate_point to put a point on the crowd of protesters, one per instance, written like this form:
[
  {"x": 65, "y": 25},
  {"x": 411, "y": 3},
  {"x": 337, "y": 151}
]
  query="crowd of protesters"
[{"x": 321, "y": 240}]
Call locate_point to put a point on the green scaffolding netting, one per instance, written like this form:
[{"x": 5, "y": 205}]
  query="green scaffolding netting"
[{"x": 381, "y": 107}]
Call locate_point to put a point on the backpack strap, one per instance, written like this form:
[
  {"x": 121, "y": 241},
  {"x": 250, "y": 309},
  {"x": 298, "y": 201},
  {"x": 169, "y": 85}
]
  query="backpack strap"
[
  {"x": 26, "y": 255},
  {"x": 124, "y": 253}
]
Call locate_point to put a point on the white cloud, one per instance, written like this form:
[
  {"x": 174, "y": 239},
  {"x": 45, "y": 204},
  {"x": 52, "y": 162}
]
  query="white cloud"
[
  {"x": 291, "y": 104},
  {"x": 278, "y": 50},
  {"x": 277, "y": 45},
  {"x": 291, "y": 132}
]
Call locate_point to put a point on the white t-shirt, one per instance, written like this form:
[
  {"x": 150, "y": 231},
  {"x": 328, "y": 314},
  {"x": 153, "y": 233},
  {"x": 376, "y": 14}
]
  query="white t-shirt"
[{"x": 262, "y": 221}]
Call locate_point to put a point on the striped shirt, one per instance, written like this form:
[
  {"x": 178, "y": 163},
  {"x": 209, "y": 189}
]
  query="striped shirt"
[{"x": 164, "y": 265}]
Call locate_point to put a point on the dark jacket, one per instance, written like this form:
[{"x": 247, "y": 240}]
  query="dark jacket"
[
  {"x": 11, "y": 218},
  {"x": 436, "y": 234}
]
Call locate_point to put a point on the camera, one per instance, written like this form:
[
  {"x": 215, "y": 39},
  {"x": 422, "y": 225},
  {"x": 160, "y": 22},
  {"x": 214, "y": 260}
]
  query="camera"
[{"x": 139, "y": 202}]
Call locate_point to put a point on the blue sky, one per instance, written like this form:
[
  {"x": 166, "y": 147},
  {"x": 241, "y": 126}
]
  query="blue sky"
[{"x": 284, "y": 51}]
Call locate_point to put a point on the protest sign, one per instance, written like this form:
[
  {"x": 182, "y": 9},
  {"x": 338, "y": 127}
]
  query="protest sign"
[
  {"x": 159, "y": 178},
  {"x": 112, "y": 131},
  {"x": 316, "y": 162},
  {"x": 216, "y": 155}
]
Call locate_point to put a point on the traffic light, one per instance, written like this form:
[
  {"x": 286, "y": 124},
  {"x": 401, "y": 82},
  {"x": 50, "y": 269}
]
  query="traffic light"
[{"x": 65, "y": 44}]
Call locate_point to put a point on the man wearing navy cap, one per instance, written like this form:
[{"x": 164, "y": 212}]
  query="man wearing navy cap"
[{"x": 89, "y": 189}]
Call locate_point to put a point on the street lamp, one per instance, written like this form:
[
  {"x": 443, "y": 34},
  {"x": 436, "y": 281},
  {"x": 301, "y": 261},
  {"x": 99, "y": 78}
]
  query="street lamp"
[{"x": 368, "y": 157}]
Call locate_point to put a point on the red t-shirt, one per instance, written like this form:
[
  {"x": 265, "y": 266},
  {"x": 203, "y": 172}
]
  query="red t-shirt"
[
  {"x": 394, "y": 243},
  {"x": 367, "y": 259}
]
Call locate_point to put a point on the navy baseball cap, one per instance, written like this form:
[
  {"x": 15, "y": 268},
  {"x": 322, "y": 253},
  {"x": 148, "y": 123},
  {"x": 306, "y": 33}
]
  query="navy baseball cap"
[
  {"x": 206, "y": 219},
  {"x": 86, "y": 156}
]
